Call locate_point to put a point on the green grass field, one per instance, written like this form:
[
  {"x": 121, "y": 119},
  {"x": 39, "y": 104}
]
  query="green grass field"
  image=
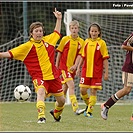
[{"x": 17, "y": 116}]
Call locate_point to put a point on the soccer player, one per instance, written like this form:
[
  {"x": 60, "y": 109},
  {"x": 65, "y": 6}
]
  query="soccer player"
[
  {"x": 94, "y": 64},
  {"x": 69, "y": 51},
  {"x": 38, "y": 56},
  {"x": 127, "y": 77}
]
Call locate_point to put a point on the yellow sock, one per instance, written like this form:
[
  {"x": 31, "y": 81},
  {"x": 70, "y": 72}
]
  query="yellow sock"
[
  {"x": 41, "y": 109},
  {"x": 74, "y": 102},
  {"x": 85, "y": 98},
  {"x": 92, "y": 102},
  {"x": 58, "y": 110}
]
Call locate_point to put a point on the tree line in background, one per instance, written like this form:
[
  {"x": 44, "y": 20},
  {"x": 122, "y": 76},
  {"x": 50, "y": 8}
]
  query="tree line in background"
[{"x": 11, "y": 15}]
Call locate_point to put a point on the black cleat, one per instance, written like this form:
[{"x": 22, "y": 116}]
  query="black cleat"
[
  {"x": 56, "y": 119},
  {"x": 41, "y": 120}
]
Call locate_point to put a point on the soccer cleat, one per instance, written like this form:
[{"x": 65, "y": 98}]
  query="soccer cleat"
[
  {"x": 56, "y": 119},
  {"x": 104, "y": 112},
  {"x": 89, "y": 115},
  {"x": 79, "y": 111},
  {"x": 86, "y": 108},
  {"x": 41, "y": 120}
]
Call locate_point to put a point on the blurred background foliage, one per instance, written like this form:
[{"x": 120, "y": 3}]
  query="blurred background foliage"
[{"x": 12, "y": 15}]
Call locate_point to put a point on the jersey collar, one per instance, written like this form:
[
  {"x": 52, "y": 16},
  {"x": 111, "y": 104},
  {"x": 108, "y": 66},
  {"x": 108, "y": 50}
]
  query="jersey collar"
[{"x": 33, "y": 40}]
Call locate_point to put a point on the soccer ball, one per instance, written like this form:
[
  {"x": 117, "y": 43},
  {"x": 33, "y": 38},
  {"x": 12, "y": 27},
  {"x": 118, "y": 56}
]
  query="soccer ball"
[{"x": 22, "y": 93}]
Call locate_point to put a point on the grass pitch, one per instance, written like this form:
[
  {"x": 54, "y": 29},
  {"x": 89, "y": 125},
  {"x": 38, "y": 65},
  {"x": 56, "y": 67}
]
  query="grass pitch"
[{"x": 16, "y": 116}]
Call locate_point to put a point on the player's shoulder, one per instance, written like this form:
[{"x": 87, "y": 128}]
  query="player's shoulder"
[
  {"x": 101, "y": 40},
  {"x": 27, "y": 44},
  {"x": 81, "y": 39},
  {"x": 65, "y": 38},
  {"x": 87, "y": 39}
]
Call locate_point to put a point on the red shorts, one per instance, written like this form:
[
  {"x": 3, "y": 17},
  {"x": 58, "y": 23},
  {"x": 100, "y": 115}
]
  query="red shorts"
[
  {"x": 95, "y": 83},
  {"x": 51, "y": 86},
  {"x": 66, "y": 76}
]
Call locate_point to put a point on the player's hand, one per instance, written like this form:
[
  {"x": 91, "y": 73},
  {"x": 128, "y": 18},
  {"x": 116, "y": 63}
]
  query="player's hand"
[
  {"x": 57, "y": 14},
  {"x": 73, "y": 68},
  {"x": 78, "y": 72}
]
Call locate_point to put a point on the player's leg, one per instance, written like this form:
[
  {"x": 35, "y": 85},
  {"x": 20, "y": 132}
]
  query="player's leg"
[
  {"x": 65, "y": 88},
  {"x": 128, "y": 83},
  {"x": 72, "y": 95},
  {"x": 59, "y": 106},
  {"x": 68, "y": 82},
  {"x": 85, "y": 97},
  {"x": 40, "y": 105},
  {"x": 95, "y": 84},
  {"x": 73, "y": 98},
  {"x": 112, "y": 100},
  {"x": 84, "y": 85},
  {"x": 55, "y": 87},
  {"x": 92, "y": 102}
]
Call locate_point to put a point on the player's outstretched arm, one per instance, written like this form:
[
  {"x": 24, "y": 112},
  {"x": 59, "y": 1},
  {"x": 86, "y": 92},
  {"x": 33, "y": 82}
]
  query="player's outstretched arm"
[
  {"x": 5, "y": 55},
  {"x": 58, "y": 15}
]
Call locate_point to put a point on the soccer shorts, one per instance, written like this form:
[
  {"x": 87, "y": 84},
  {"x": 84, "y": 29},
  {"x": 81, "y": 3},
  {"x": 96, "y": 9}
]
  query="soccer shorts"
[
  {"x": 94, "y": 83},
  {"x": 127, "y": 79},
  {"x": 52, "y": 87},
  {"x": 66, "y": 76}
]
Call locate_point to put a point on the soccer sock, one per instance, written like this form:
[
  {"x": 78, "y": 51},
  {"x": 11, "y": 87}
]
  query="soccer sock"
[
  {"x": 74, "y": 102},
  {"x": 91, "y": 104},
  {"x": 111, "y": 101},
  {"x": 85, "y": 98},
  {"x": 41, "y": 109},
  {"x": 58, "y": 111}
]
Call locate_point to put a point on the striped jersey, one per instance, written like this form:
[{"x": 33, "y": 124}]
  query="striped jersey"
[
  {"x": 69, "y": 48},
  {"x": 128, "y": 64},
  {"x": 38, "y": 56},
  {"x": 94, "y": 53}
]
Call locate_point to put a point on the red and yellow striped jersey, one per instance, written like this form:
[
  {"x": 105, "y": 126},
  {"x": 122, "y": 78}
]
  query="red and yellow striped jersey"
[
  {"x": 95, "y": 51},
  {"x": 38, "y": 56},
  {"x": 70, "y": 48}
]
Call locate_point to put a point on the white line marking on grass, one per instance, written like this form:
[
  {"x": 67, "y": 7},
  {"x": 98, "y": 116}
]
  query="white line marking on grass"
[{"x": 29, "y": 121}]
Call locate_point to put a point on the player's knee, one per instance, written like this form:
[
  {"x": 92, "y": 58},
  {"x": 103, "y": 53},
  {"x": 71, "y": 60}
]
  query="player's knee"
[
  {"x": 83, "y": 91},
  {"x": 40, "y": 92},
  {"x": 127, "y": 90},
  {"x": 61, "y": 101}
]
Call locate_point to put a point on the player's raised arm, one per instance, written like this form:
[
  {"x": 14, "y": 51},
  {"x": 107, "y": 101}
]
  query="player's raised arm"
[
  {"x": 58, "y": 15},
  {"x": 5, "y": 55}
]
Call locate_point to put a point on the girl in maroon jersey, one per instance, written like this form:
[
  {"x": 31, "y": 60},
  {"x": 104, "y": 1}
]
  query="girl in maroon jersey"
[{"x": 127, "y": 77}]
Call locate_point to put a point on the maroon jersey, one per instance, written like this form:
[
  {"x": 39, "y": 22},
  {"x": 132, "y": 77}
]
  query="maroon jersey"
[{"x": 128, "y": 64}]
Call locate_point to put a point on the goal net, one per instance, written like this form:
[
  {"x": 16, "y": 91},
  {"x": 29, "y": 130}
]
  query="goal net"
[{"x": 116, "y": 26}]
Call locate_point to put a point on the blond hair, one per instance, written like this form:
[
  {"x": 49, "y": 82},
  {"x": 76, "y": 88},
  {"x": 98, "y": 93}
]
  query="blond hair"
[{"x": 74, "y": 22}]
